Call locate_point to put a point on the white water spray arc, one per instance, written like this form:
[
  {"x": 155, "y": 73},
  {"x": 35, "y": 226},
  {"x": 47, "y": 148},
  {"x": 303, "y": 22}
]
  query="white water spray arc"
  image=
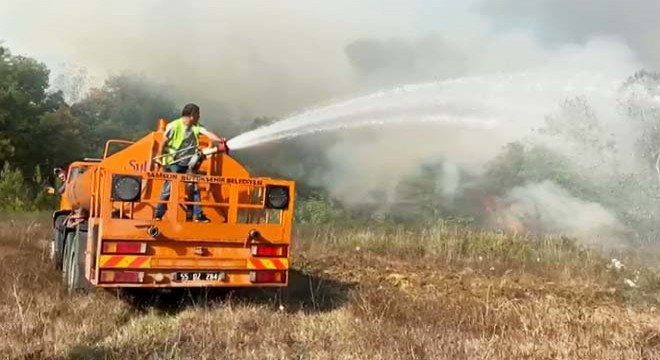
[{"x": 485, "y": 103}]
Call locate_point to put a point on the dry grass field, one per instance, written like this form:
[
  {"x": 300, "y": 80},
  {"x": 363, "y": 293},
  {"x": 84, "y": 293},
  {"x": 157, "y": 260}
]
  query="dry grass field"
[{"x": 354, "y": 294}]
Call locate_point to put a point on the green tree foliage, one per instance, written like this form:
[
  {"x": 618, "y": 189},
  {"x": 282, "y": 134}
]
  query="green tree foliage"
[
  {"x": 14, "y": 192},
  {"x": 520, "y": 164},
  {"x": 61, "y": 138},
  {"x": 23, "y": 103},
  {"x": 39, "y": 130},
  {"x": 35, "y": 128},
  {"x": 125, "y": 107},
  {"x": 419, "y": 196},
  {"x": 315, "y": 209}
]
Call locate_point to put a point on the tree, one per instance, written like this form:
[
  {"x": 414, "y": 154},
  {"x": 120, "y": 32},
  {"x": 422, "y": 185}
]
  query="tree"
[
  {"x": 125, "y": 107},
  {"x": 419, "y": 197},
  {"x": 13, "y": 190},
  {"x": 637, "y": 100},
  {"x": 24, "y": 102}
]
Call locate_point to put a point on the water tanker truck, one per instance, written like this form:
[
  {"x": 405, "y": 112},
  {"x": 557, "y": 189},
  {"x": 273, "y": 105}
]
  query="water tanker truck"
[{"x": 105, "y": 234}]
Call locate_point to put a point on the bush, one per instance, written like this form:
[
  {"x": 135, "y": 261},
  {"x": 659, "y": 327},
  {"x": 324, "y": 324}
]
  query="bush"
[
  {"x": 17, "y": 194},
  {"x": 14, "y": 192},
  {"x": 316, "y": 209},
  {"x": 42, "y": 200}
]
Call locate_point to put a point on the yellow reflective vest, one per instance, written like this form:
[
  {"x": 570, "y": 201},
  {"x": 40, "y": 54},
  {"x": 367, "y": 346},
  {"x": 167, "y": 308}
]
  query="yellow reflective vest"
[{"x": 176, "y": 138}]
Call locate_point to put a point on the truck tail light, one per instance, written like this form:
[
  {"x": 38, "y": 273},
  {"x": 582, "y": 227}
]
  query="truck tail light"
[
  {"x": 113, "y": 276},
  {"x": 124, "y": 247},
  {"x": 270, "y": 251},
  {"x": 268, "y": 277}
]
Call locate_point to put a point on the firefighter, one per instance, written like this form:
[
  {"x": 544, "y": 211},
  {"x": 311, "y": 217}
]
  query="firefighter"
[
  {"x": 180, "y": 143},
  {"x": 61, "y": 176}
]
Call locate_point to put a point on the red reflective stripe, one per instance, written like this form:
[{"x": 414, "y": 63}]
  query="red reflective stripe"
[
  {"x": 129, "y": 248},
  {"x": 137, "y": 262},
  {"x": 258, "y": 264},
  {"x": 127, "y": 276},
  {"x": 113, "y": 261},
  {"x": 267, "y": 251},
  {"x": 278, "y": 264},
  {"x": 266, "y": 276},
  {"x": 114, "y": 247}
]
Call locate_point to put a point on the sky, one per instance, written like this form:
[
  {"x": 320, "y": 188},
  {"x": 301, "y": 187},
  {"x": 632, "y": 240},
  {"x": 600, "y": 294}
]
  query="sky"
[
  {"x": 257, "y": 56},
  {"x": 276, "y": 57}
]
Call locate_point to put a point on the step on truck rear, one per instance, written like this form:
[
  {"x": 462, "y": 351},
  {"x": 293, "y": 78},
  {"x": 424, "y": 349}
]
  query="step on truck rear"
[{"x": 105, "y": 233}]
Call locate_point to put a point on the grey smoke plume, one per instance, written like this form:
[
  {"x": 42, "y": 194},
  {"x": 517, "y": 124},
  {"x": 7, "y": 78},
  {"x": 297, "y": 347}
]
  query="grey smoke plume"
[
  {"x": 255, "y": 57},
  {"x": 547, "y": 208},
  {"x": 264, "y": 58},
  {"x": 557, "y": 22}
]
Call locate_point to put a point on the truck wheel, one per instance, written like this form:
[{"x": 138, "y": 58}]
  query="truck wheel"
[
  {"x": 57, "y": 245},
  {"x": 56, "y": 248},
  {"x": 66, "y": 255},
  {"x": 76, "y": 280}
]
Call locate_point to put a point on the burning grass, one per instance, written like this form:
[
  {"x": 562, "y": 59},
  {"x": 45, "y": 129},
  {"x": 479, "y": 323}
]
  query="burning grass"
[{"x": 379, "y": 294}]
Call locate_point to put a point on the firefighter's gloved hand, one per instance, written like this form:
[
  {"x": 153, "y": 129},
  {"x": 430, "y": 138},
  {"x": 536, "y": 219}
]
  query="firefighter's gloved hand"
[
  {"x": 201, "y": 155},
  {"x": 223, "y": 146},
  {"x": 157, "y": 166}
]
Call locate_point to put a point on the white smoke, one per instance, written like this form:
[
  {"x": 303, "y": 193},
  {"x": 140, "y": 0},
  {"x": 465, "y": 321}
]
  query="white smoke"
[{"x": 547, "y": 208}]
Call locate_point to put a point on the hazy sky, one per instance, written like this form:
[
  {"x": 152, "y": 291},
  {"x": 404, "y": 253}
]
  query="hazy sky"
[
  {"x": 265, "y": 56},
  {"x": 274, "y": 57}
]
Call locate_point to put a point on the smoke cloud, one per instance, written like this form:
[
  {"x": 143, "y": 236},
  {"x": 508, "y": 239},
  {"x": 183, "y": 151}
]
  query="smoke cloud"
[
  {"x": 264, "y": 58},
  {"x": 255, "y": 57},
  {"x": 548, "y": 209},
  {"x": 557, "y": 22}
]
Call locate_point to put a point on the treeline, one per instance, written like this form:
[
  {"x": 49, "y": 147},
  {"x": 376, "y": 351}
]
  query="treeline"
[{"x": 39, "y": 130}]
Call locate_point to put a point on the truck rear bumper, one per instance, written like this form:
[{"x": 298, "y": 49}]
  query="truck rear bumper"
[
  {"x": 151, "y": 278},
  {"x": 149, "y": 271},
  {"x": 190, "y": 263}
]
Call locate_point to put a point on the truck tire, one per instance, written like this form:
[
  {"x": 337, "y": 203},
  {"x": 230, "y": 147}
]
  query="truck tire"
[
  {"x": 57, "y": 244},
  {"x": 76, "y": 280},
  {"x": 66, "y": 254},
  {"x": 57, "y": 248}
]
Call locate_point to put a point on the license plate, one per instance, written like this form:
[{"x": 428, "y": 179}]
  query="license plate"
[{"x": 200, "y": 276}]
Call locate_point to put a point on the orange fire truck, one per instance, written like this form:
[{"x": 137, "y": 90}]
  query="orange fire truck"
[{"x": 105, "y": 234}]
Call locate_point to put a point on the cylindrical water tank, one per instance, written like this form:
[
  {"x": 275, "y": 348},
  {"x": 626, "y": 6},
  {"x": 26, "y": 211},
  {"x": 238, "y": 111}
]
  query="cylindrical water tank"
[{"x": 79, "y": 191}]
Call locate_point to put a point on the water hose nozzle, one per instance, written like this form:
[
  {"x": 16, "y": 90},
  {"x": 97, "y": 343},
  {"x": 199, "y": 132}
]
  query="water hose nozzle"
[{"x": 223, "y": 146}]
